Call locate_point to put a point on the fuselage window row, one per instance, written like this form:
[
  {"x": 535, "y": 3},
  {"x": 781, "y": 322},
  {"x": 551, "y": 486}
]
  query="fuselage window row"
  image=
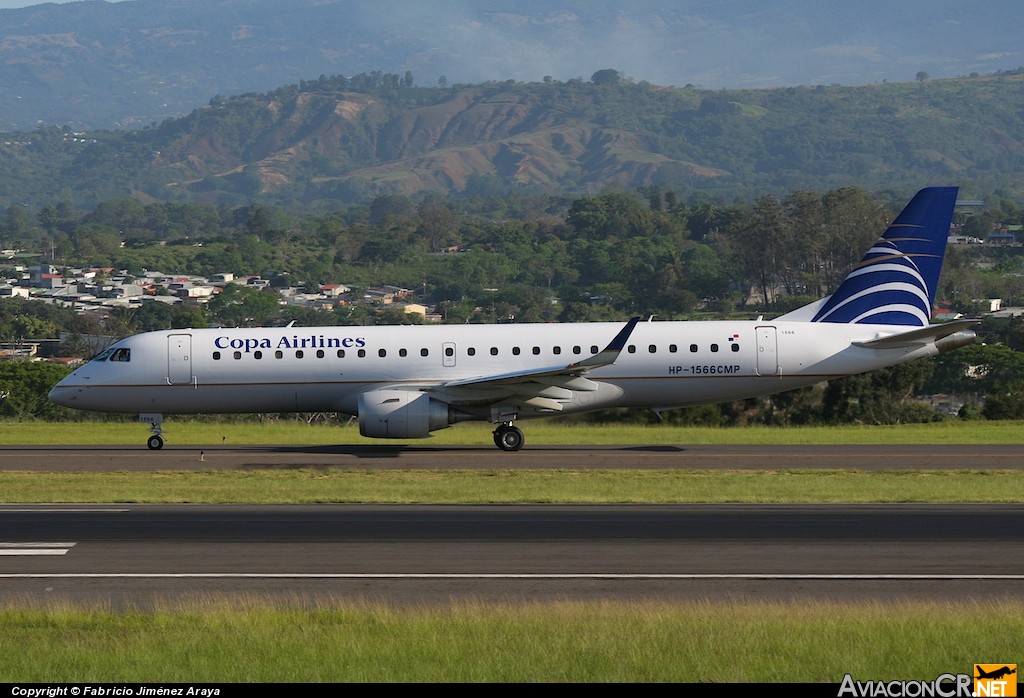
[{"x": 471, "y": 351}]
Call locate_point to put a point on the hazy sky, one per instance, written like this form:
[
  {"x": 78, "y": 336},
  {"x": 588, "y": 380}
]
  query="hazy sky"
[
  {"x": 708, "y": 43},
  {"x": 11, "y": 4}
]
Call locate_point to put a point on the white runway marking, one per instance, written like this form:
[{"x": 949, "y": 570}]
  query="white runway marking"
[
  {"x": 63, "y": 510},
  {"x": 285, "y": 575},
  {"x": 35, "y": 548}
]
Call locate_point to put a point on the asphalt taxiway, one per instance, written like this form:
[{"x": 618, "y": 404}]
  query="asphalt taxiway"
[{"x": 415, "y": 456}]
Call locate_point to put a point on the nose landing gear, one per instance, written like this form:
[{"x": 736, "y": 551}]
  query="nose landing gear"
[{"x": 155, "y": 421}]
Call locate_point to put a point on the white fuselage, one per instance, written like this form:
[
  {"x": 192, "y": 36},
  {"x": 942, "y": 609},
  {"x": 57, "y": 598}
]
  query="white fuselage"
[{"x": 663, "y": 365}]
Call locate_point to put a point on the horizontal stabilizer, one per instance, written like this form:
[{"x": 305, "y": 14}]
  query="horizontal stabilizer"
[{"x": 923, "y": 335}]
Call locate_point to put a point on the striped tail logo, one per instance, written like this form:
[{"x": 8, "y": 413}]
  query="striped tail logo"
[{"x": 895, "y": 282}]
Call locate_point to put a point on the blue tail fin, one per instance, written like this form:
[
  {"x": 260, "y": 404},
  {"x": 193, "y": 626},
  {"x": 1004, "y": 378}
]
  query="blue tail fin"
[{"x": 895, "y": 282}]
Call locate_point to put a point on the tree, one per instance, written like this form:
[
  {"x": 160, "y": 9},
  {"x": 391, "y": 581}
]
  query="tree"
[
  {"x": 921, "y": 76},
  {"x": 242, "y": 306},
  {"x": 24, "y": 386},
  {"x": 606, "y": 76},
  {"x": 762, "y": 244},
  {"x": 885, "y": 396},
  {"x": 437, "y": 222}
]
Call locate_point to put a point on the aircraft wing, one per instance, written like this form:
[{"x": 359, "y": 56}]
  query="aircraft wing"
[{"x": 541, "y": 387}]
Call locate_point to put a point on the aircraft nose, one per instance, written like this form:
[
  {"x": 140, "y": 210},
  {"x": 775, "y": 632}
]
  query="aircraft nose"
[{"x": 63, "y": 395}]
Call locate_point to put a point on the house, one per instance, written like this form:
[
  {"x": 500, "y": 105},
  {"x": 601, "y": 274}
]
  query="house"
[
  {"x": 8, "y": 291},
  {"x": 1002, "y": 236},
  {"x": 334, "y": 290}
]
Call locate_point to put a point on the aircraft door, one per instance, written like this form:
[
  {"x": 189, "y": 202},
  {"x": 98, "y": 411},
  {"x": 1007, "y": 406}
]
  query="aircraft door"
[
  {"x": 448, "y": 354},
  {"x": 767, "y": 352},
  {"x": 179, "y": 359}
]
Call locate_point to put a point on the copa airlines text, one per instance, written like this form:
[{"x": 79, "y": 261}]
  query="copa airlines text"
[{"x": 407, "y": 381}]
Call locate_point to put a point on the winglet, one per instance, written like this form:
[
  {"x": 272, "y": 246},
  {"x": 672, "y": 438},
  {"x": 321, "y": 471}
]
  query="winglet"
[{"x": 610, "y": 353}]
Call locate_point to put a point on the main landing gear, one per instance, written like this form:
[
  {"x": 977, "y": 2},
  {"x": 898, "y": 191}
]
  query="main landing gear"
[
  {"x": 508, "y": 437},
  {"x": 155, "y": 421}
]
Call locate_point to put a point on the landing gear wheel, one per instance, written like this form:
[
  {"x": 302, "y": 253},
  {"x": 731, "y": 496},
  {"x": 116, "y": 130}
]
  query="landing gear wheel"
[
  {"x": 155, "y": 442},
  {"x": 508, "y": 438}
]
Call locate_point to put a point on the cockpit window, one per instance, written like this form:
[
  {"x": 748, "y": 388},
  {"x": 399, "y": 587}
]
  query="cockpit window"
[{"x": 112, "y": 354}]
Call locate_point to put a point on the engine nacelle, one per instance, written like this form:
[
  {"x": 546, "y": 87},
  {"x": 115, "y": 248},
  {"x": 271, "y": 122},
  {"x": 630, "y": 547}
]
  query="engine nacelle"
[
  {"x": 955, "y": 341},
  {"x": 401, "y": 414}
]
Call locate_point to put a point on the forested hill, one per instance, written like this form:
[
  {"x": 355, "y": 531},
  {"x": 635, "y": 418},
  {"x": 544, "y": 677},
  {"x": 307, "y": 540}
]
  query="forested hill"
[{"x": 340, "y": 140}]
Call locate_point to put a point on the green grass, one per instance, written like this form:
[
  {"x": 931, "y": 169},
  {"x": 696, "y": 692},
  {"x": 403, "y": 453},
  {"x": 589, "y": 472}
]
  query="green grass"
[
  {"x": 210, "y": 641},
  {"x": 340, "y": 485}
]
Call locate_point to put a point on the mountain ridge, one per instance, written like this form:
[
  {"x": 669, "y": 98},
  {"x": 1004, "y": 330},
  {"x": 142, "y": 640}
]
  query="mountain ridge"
[{"x": 340, "y": 140}]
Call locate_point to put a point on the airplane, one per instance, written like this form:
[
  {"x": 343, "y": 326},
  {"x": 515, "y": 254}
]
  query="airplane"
[
  {"x": 995, "y": 674},
  {"x": 404, "y": 382}
]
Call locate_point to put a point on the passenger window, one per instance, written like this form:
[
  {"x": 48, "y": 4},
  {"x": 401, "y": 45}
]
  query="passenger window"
[
  {"x": 319, "y": 353},
  {"x": 403, "y": 352},
  {"x": 278, "y": 354},
  {"x": 494, "y": 351},
  {"x": 299, "y": 354},
  {"x": 577, "y": 349},
  {"x": 216, "y": 356},
  {"x": 652, "y": 349},
  {"x": 536, "y": 351},
  {"x": 424, "y": 352},
  {"x": 594, "y": 349},
  {"x": 361, "y": 353},
  {"x": 672, "y": 348},
  {"x": 257, "y": 355},
  {"x": 238, "y": 355},
  {"x": 341, "y": 353},
  {"x": 471, "y": 351},
  {"x": 556, "y": 350},
  {"x": 714, "y": 347},
  {"x": 734, "y": 346},
  {"x": 693, "y": 348},
  {"x": 631, "y": 348},
  {"x": 515, "y": 351},
  {"x": 382, "y": 353},
  {"x": 449, "y": 351}
]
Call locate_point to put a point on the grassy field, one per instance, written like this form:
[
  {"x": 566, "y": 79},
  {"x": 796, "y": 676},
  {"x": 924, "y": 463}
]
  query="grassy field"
[
  {"x": 243, "y": 639},
  {"x": 217, "y": 641}
]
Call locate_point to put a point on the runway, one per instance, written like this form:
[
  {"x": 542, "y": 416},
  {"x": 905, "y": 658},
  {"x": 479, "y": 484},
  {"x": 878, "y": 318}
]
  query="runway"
[
  {"x": 138, "y": 555},
  {"x": 143, "y": 555}
]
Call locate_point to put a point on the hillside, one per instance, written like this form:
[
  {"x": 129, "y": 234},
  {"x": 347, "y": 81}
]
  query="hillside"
[{"x": 341, "y": 140}]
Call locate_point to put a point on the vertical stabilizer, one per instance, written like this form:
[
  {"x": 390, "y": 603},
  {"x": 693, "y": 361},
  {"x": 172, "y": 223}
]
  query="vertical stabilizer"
[{"x": 895, "y": 282}]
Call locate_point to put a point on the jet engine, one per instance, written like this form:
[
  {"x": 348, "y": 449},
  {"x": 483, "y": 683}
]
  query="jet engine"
[
  {"x": 402, "y": 414},
  {"x": 955, "y": 341}
]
